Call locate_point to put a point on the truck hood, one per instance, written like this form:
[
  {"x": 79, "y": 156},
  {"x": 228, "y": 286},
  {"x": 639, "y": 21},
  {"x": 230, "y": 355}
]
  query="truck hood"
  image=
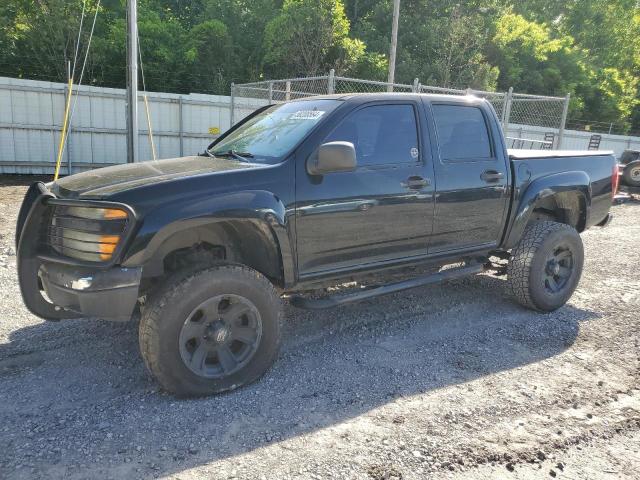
[{"x": 118, "y": 178}]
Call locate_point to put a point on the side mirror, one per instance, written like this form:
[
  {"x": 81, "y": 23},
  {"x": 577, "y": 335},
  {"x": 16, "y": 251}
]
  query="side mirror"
[{"x": 332, "y": 157}]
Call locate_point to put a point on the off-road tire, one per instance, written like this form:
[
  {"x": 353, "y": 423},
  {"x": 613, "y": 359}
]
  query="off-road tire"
[
  {"x": 631, "y": 174},
  {"x": 166, "y": 311},
  {"x": 527, "y": 266}
]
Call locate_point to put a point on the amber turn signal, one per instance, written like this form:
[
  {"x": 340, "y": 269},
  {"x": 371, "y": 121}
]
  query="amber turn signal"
[
  {"x": 107, "y": 246},
  {"x": 114, "y": 213}
]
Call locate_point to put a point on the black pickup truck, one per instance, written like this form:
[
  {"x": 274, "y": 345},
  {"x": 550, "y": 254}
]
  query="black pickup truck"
[{"x": 308, "y": 192}]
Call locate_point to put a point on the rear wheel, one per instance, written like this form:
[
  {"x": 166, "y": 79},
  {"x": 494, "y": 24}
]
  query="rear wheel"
[
  {"x": 211, "y": 331},
  {"x": 545, "y": 267},
  {"x": 631, "y": 174}
]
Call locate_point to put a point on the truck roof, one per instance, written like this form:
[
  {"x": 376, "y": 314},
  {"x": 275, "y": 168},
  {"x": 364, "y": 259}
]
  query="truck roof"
[{"x": 397, "y": 96}]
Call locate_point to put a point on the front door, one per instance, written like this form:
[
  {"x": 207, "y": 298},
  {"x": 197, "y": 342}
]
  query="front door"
[{"x": 378, "y": 213}]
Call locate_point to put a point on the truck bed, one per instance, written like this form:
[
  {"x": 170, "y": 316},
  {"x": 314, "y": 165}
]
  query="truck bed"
[
  {"x": 526, "y": 154},
  {"x": 589, "y": 171}
]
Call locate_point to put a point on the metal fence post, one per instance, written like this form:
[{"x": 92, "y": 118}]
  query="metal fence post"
[
  {"x": 270, "y": 92},
  {"x": 13, "y": 128},
  {"x": 416, "y": 85},
  {"x": 287, "y": 92},
  {"x": 232, "y": 104},
  {"x": 506, "y": 112},
  {"x": 181, "y": 126},
  {"x": 331, "y": 82},
  {"x": 504, "y": 109},
  {"x": 563, "y": 121}
]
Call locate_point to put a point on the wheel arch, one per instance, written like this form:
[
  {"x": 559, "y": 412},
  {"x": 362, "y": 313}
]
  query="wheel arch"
[
  {"x": 243, "y": 227},
  {"x": 247, "y": 241},
  {"x": 564, "y": 197}
]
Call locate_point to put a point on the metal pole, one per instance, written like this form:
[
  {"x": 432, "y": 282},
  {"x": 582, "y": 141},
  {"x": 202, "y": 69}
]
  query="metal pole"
[
  {"x": 232, "y": 104},
  {"x": 331, "y": 82},
  {"x": 132, "y": 83},
  {"x": 287, "y": 92},
  {"x": 394, "y": 45},
  {"x": 270, "y": 92},
  {"x": 416, "y": 85},
  {"x": 563, "y": 121}
]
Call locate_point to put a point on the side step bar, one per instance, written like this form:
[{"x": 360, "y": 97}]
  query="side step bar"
[{"x": 337, "y": 300}]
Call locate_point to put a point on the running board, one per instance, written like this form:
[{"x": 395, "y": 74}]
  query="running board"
[{"x": 337, "y": 300}]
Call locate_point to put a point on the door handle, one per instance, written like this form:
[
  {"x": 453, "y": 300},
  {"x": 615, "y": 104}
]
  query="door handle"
[
  {"x": 416, "y": 182},
  {"x": 491, "y": 176}
]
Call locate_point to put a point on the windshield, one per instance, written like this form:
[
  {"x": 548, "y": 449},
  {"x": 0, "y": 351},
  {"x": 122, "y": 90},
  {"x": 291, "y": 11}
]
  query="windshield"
[{"x": 271, "y": 134}]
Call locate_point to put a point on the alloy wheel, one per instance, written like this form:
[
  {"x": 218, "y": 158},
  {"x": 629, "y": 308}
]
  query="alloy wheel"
[{"x": 220, "y": 336}]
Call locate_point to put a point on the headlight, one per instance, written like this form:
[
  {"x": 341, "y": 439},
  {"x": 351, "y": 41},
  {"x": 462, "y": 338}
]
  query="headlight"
[{"x": 87, "y": 233}]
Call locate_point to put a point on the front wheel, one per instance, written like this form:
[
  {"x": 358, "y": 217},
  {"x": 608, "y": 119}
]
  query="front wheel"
[
  {"x": 545, "y": 267},
  {"x": 212, "y": 331}
]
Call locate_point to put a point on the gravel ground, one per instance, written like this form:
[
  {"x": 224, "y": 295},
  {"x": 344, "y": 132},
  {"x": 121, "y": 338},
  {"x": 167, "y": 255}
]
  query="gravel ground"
[{"x": 449, "y": 381}]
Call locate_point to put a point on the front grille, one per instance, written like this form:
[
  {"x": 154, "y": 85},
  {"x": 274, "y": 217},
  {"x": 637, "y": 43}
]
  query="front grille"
[{"x": 92, "y": 240}]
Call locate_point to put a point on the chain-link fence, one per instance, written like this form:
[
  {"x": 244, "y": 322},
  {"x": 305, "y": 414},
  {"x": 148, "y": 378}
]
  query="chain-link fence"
[{"x": 546, "y": 115}]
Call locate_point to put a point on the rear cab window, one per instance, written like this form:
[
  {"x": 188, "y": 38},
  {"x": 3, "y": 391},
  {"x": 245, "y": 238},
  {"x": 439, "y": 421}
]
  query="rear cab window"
[{"x": 462, "y": 133}]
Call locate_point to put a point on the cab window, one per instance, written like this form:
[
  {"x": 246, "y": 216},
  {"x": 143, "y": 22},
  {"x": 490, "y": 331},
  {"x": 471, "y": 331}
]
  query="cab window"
[
  {"x": 462, "y": 133},
  {"x": 381, "y": 134}
]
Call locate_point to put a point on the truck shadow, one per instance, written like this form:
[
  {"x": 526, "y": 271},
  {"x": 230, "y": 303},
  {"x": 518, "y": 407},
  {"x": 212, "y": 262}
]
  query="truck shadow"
[{"x": 84, "y": 379}]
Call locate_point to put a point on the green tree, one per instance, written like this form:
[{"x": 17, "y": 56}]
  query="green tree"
[
  {"x": 590, "y": 48},
  {"x": 38, "y": 38},
  {"x": 209, "y": 54},
  {"x": 309, "y": 37},
  {"x": 246, "y": 21},
  {"x": 439, "y": 41},
  {"x": 531, "y": 59}
]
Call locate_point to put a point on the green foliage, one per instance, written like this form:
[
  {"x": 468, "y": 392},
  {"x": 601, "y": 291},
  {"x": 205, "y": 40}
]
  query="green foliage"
[
  {"x": 589, "y": 48},
  {"x": 209, "y": 52},
  {"x": 309, "y": 37},
  {"x": 533, "y": 60}
]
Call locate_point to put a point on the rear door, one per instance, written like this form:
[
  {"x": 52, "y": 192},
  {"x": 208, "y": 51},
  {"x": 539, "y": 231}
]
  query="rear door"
[
  {"x": 471, "y": 178},
  {"x": 378, "y": 213}
]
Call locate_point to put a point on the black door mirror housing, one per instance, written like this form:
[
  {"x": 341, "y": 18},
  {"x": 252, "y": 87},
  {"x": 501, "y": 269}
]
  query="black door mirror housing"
[{"x": 332, "y": 157}]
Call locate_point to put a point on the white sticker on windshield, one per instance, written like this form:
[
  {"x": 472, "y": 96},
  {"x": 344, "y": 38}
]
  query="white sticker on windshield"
[{"x": 307, "y": 115}]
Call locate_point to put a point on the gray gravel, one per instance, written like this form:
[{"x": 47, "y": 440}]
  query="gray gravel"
[{"x": 443, "y": 381}]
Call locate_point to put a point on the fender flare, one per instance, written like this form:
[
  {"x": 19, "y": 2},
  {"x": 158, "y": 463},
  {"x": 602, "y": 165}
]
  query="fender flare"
[
  {"x": 541, "y": 189},
  {"x": 261, "y": 209}
]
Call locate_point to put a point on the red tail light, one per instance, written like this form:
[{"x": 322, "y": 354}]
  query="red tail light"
[{"x": 615, "y": 180}]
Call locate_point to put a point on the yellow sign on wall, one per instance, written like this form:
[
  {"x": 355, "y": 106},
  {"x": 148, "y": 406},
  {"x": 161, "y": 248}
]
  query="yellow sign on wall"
[{"x": 214, "y": 130}]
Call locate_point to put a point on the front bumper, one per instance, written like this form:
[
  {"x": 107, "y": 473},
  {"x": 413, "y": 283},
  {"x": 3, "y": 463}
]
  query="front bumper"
[
  {"x": 72, "y": 288},
  {"x": 110, "y": 294}
]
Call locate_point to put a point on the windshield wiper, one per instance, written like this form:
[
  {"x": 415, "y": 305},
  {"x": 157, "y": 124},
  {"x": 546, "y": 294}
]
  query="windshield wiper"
[{"x": 242, "y": 156}]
